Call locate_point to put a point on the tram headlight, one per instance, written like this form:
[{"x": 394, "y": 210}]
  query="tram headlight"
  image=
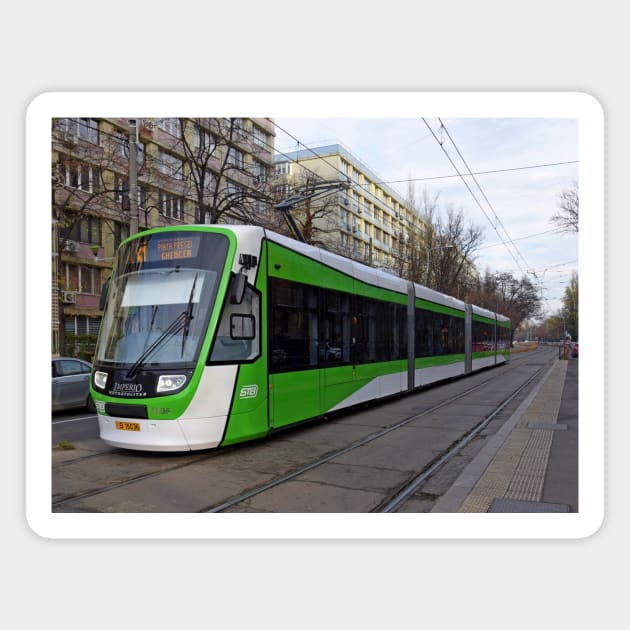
[
  {"x": 170, "y": 383},
  {"x": 100, "y": 379}
]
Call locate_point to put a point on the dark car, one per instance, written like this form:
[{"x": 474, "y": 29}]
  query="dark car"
[
  {"x": 574, "y": 350},
  {"x": 71, "y": 384}
]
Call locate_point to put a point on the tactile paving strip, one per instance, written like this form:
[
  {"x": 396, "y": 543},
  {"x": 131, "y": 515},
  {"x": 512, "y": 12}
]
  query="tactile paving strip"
[{"x": 517, "y": 472}]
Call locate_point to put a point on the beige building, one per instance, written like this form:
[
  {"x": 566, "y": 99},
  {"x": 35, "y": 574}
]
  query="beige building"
[
  {"x": 188, "y": 171},
  {"x": 367, "y": 221}
]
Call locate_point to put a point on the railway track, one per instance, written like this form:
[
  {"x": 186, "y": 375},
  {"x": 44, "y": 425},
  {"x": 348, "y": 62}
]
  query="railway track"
[{"x": 339, "y": 465}]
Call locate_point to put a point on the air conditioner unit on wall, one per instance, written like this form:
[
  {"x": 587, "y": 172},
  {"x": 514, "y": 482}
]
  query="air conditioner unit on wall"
[
  {"x": 71, "y": 247},
  {"x": 68, "y": 297}
]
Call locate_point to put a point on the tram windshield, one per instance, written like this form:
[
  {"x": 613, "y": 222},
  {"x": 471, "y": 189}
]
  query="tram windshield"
[{"x": 162, "y": 293}]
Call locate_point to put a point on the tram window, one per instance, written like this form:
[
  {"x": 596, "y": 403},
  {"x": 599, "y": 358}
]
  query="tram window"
[
  {"x": 364, "y": 331},
  {"x": 438, "y": 333},
  {"x": 335, "y": 328},
  {"x": 242, "y": 326},
  {"x": 238, "y": 337},
  {"x": 483, "y": 336},
  {"x": 294, "y": 326}
]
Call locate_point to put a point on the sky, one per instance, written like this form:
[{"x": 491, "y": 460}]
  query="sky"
[{"x": 512, "y": 207}]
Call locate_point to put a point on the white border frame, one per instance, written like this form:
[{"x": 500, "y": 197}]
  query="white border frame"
[{"x": 577, "y": 105}]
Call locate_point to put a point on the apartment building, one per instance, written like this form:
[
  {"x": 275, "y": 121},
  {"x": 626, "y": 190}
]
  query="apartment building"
[
  {"x": 203, "y": 170},
  {"x": 367, "y": 221}
]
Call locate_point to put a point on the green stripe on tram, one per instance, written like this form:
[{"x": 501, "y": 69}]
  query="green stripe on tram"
[{"x": 290, "y": 265}]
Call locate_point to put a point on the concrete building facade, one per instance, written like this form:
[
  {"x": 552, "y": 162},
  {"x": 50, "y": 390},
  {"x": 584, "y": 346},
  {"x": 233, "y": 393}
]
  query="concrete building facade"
[
  {"x": 368, "y": 221},
  {"x": 188, "y": 171}
]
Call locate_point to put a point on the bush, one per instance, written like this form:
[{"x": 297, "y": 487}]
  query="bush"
[{"x": 80, "y": 346}]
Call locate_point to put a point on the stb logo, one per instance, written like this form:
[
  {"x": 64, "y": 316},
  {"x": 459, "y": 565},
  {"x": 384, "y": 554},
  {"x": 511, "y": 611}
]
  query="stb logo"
[{"x": 249, "y": 391}]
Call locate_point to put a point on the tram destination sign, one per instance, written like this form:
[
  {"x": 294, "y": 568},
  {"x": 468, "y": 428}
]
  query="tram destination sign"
[{"x": 155, "y": 249}]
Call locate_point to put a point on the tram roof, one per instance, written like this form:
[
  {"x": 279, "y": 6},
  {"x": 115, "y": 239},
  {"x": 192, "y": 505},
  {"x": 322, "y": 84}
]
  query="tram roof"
[{"x": 374, "y": 276}]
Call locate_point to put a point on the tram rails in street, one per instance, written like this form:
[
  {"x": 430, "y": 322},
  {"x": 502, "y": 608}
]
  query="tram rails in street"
[{"x": 239, "y": 478}]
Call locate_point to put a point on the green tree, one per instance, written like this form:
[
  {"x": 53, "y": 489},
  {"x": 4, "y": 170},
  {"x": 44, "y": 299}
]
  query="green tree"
[{"x": 570, "y": 303}]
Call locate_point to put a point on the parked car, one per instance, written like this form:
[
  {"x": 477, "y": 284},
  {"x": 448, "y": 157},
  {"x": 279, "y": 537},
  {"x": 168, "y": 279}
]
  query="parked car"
[
  {"x": 574, "y": 350},
  {"x": 71, "y": 384}
]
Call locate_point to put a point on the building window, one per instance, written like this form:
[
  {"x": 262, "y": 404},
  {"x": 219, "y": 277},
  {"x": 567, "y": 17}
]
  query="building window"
[
  {"x": 121, "y": 193},
  {"x": 81, "y": 176},
  {"x": 366, "y": 207},
  {"x": 121, "y": 232},
  {"x": 171, "y": 206},
  {"x": 236, "y": 158},
  {"x": 355, "y": 203},
  {"x": 282, "y": 168},
  {"x": 82, "y": 325},
  {"x": 344, "y": 168},
  {"x": 82, "y": 279},
  {"x": 259, "y": 172},
  {"x": 172, "y": 126},
  {"x": 80, "y": 129},
  {"x": 121, "y": 148},
  {"x": 86, "y": 230},
  {"x": 260, "y": 137},
  {"x": 170, "y": 165},
  {"x": 204, "y": 141}
]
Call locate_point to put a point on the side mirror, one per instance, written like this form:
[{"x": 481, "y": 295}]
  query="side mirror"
[
  {"x": 104, "y": 292},
  {"x": 237, "y": 291}
]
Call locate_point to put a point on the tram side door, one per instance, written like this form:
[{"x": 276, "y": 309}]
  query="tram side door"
[{"x": 294, "y": 378}]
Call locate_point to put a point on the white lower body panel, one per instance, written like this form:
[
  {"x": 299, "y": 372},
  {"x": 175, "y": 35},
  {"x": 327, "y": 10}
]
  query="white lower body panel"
[
  {"x": 479, "y": 364},
  {"x": 426, "y": 376},
  {"x": 378, "y": 387},
  {"x": 164, "y": 435},
  {"x": 201, "y": 426}
]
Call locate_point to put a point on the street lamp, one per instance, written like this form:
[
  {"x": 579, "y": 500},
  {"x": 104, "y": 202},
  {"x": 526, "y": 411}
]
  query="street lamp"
[{"x": 426, "y": 272}]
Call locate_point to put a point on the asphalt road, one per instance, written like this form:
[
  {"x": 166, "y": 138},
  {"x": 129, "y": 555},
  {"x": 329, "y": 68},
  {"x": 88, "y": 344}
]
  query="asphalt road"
[{"x": 74, "y": 427}]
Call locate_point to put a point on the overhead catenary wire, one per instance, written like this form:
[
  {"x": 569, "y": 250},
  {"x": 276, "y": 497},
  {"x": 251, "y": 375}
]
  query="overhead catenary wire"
[
  {"x": 474, "y": 196},
  {"x": 440, "y": 141},
  {"x": 483, "y": 193}
]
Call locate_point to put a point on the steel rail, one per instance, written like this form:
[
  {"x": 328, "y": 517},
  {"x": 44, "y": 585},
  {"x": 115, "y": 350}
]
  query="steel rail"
[
  {"x": 419, "y": 480},
  {"x": 351, "y": 447},
  {"x": 67, "y": 500}
]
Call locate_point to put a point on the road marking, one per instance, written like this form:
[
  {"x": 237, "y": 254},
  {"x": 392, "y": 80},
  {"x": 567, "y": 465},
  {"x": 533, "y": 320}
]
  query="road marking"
[{"x": 94, "y": 417}]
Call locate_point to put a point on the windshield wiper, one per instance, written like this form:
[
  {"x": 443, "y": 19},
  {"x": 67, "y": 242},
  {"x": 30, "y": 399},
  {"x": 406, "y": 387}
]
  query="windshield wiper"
[
  {"x": 174, "y": 327},
  {"x": 188, "y": 314}
]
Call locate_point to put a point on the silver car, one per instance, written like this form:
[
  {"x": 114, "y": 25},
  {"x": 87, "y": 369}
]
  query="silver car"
[{"x": 71, "y": 384}]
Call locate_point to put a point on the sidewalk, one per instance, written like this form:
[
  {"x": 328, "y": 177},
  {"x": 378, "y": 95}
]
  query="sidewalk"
[{"x": 530, "y": 464}]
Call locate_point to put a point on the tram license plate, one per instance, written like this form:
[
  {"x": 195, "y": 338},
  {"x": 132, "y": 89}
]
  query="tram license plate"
[{"x": 127, "y": 426}]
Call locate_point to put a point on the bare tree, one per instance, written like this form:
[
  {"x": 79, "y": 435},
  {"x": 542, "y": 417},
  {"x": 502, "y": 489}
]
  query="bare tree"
[
  {"x": 308, "y": 203},
  {"x": 519, "y": 300},
  {"x": 569, "y": 204},
  {"x": 88, "y": 192},
  {"x": 222, "y": 182},
  {"x": 451, "y": 257}
]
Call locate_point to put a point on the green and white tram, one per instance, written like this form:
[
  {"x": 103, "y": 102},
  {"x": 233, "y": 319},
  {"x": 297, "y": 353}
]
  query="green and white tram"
[{"x": 213, "y": 335}]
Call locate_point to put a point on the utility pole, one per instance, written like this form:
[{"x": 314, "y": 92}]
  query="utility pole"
[{"x": 133, "y": 177}]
